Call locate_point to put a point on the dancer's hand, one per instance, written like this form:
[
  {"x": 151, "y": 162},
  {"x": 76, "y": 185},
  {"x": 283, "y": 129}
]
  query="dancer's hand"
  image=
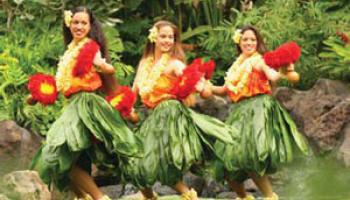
[{"x": 190, "y": 101}]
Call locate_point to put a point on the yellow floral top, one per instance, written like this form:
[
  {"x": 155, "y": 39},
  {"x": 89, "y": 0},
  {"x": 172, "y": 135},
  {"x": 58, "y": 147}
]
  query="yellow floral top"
[
  {"x": 66, "y": 81},
  {"x": 154, "y": 85},
  {"x": 243, "y": 80}
]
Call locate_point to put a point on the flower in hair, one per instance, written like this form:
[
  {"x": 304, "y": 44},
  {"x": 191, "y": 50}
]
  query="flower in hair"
[
  {"x": 237, "y": 36},
  {"x": 153, "y": 34},
  {"x": 68, "y": 17}
]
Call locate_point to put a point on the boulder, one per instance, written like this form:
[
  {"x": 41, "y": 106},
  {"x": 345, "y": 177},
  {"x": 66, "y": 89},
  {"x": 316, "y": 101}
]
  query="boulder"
[
  {"x": 27, "y": 185},
  {"x": 321, "y": 113},
  {"x": 17, "y": 144}
]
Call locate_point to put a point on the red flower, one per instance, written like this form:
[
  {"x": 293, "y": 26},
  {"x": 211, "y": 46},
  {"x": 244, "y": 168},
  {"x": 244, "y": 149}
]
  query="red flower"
[
  {"x": 43, "y": 88},
  {"x": 123, "y": 99},
  {"x": 186, "y": 83},
  {"x": 85, "y": 58},
  {"x": 207, "y": 68},
  {"x": 285, "y": 54},
  {"x": 343, "y": 37}
]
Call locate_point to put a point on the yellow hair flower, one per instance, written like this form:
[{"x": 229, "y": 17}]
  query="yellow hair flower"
[
  {"x": 153, "y": 34},
  {"x": 68, "y": 17},
  {"x": 237, "y": 36}
]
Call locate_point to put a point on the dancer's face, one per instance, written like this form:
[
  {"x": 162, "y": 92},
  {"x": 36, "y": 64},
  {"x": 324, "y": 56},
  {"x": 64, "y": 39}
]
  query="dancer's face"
[
  {"x": 248, "y": 43},
  {"x": 165, "y": 39},
  {"x": 80, "y": 25}
]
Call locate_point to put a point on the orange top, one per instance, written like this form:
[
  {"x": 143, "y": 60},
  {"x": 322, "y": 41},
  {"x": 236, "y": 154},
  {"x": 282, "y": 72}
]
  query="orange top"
[
  {"x": 88, "y": 82},
  {"x": 161, "y": 91},
  {"x": 257, "y": 84}
]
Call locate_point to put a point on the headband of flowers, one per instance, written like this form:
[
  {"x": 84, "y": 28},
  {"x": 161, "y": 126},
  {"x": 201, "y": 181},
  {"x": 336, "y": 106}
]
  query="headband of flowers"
[
  {"x": 68, "y": 17},
  {"x": 153, "y": 34},
  {"x": 237, "y": 36}
]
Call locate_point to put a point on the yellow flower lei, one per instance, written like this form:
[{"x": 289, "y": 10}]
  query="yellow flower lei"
[
  {"x": 239, "y": 72},
  {"x": 151, "y": 72},
  {"x": 67, "y": 63}
]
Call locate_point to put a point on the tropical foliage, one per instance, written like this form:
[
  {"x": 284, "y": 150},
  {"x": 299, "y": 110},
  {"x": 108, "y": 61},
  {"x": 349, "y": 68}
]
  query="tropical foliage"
[{"x": 31, "y": 41}]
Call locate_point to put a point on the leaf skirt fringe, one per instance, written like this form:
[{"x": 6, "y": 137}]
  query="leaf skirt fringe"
[
  {"x": 89, "y": 130},
  {"x": 174, "y": 138}
]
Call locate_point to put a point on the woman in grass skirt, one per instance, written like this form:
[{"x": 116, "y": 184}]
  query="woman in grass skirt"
[
  {"x": 175, "y": 138},
  {"x": 89, "y": 129},
  {"x": 267, "y": 134}
]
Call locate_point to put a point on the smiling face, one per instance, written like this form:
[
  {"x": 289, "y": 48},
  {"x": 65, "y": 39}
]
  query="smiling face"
[
  {"x": 248, "y": 43},
  {"x": 80, "y": 25},
  {"x": 165, "y": 39}
]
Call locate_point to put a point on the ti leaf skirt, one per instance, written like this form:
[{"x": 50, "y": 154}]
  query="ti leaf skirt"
[
  {"x": 174, "y": 138},
  {"x": 267, "y": 137},
  {"x": 89, "y": 130}
]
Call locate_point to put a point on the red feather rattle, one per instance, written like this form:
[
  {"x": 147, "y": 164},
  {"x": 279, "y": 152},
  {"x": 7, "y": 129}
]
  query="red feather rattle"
[
  {"x": 123, "y": 100},
  {"x": 286, "y": 54}
]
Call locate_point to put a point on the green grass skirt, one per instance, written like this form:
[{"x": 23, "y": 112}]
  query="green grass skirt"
[
  {"x": 267, "y": 137},
  {"x": 89, "y": 130},
  {"x": 174, "y": 138}
]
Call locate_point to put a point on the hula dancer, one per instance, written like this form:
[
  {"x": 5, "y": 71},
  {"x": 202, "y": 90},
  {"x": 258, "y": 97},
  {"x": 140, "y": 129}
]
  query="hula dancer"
[
  {"x": 175, "y": 138},
  {"x": 89, "y": 129},
  {"x": 267, "y": 134}
]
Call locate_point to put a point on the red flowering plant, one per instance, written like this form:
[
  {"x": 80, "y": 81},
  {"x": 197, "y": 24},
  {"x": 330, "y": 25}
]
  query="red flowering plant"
[
  {"x": 284, "y": 55},
  {"x": 344, "y": 37},
  {"x": 42, "y": 88},
  {"x": 123, "y": 99}
]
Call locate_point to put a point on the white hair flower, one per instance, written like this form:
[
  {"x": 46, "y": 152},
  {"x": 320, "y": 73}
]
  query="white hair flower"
[
  {"x": 68, "y": 17},
  {"x": 237, "y": 36},
  {"x": 153, "y": 34}
]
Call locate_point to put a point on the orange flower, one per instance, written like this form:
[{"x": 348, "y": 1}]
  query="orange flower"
[
  {"x": 43, "y": 88},
  {"x": 123, "y": 99}
]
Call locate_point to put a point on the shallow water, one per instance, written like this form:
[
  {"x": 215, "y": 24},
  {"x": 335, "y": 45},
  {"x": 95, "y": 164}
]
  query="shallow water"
[{"x": 315, "y": 178}]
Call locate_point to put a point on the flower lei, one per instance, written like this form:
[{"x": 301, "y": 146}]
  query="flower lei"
[
  {"x": 67, "y": 63},
  {"x": 151, "y": 72},
  {"x": 238, "y": 74}
]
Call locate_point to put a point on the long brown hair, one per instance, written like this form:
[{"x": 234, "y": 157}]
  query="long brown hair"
[
  {"x": 260, "y": 42},
  {"x": 96, "y": 33},
  {"x": 177, "y": 51}
]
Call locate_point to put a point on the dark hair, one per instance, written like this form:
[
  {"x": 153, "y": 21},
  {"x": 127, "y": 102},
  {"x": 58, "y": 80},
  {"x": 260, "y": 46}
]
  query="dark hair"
[
  {"x": 177, "y": 51},
  {"x": 260, "y": 42},
  {"x": 96, "y": 33}
]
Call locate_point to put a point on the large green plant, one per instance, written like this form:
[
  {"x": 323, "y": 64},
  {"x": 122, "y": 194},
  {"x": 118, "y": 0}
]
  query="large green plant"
[{"x": 336, "y": 57}]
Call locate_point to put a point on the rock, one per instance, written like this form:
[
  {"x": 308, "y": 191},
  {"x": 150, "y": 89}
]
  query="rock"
[
  {"x": 214, "y": 106},
  {"x": 344, "y": 150},
  {"x": 27, "y": 185},
  {"x": 3, "y": 197},
  {"x": 194, "y": 182},
  {"x": 130, "y": 189},
  {"x": 212, "y": 188},
  {"x": 17, "y": 143},
  {"x": 226, "y": 195},
  {"x": 162, "y": 190},
  {"x": 113, "y": 191},
  {"x": 321, "y": 113},
  {"x": 250, "y": 186}
]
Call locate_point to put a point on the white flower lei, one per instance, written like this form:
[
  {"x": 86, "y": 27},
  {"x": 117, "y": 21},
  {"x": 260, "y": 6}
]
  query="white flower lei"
[
  {"x": 151, "y": 72},
  {"x": 66, "y": 64},
  {"x": 240, "y": 71}
]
